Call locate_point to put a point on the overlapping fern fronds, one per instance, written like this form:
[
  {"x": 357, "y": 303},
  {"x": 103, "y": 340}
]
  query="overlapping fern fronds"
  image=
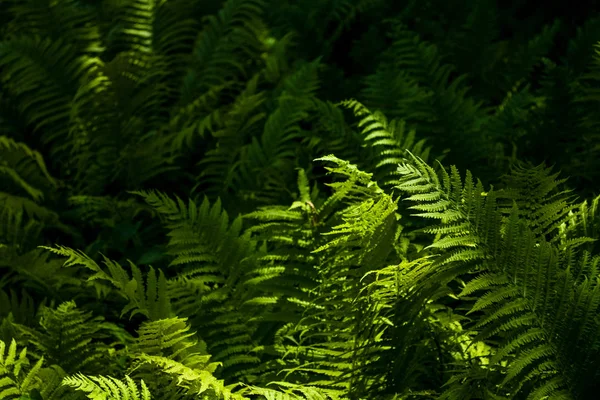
[
  {"x": 389, "y": 141},
  {"x": 213, "y": 258},
  {"x": 523, "y": 284},
  {"x": 330, "y": 309}
]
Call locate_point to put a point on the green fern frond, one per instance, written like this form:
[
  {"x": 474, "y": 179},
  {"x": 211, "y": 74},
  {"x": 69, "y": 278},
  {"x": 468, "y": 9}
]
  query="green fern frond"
[
  {"x": 54, "y": 69},
  {"x": 271, "y": 156},
  {"x": 216, "y": 258},
  {"x": 22, "y": 307},
  {"x": 186, "y": 123},
  {"x": 581, "y": 226},
  {"x": 388, "y": 140},
  {"x": 227, "y": 41},
  {"x": 220, "y": 166},
  {"x": 358, "y": 211},
  {"x": 290, "y": 391},
  {"x": 25, "y": 168},
  {"x": 107, "y": 388},
  {"x": 195, "y": 381},
  {"x": 284, "y": 271},
  {"x": 68, "y": 337},
  {"x": 535, "y": 192},
  {"x": 171, "y": 337},
  {"x": 148, "y": 27},
  {"x": 424, "y": 95},
  {"x": 66, "y": 20},
  {"x": 149, "y": 298},
  {"x": 200, "y": 235},
  {"x": 17, "y": 231},
  {"x": 16, "y": 378},
  {"x": 524, "y": 287},
  {"x": 507, "y": 126},
  {"x": 333, "y": 134}
]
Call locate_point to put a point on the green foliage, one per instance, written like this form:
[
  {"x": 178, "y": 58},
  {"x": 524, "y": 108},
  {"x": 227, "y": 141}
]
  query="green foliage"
[
  {"x": 15, "y": 379},
  {"x": 100, "y": 387},
  {"x": 190, "y": 176}
]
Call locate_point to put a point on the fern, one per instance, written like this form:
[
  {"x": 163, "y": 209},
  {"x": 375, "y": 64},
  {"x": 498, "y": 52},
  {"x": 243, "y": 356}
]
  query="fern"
[
  {"x": 149, "y": 298},
  {"x": 16, "y": 378},
  {"x": 27, "y": 60},
  {"x": 222, "y": 48},
  {"x": 425, "y": 96},
  {"x": 331, "y": 365},
  {"x": 271, "y": 156},
  {"x": 68, "y": 337},
  {"x": 524, "y": 306},
  {"x": 532, "y": 190},
  {"x": 168, "y": 346},
  {"x": 213, "y": 257},
  {"x": 388, "y": 140},
  {"x": 584, "y": 222},
  {"x": 108, "y": 388}
]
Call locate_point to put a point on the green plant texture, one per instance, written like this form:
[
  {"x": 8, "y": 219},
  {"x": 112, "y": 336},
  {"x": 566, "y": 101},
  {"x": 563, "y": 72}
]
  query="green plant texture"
[{"x": 299, "y": 200}]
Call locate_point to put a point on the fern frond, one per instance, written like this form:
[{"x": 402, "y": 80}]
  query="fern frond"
[
  {"x": 216, "y": 258},
  {"x": 271, "y": 156},
  {"x": 149, "y": 298},
  {"x": 524, "y": 287},
  {"x": 358, "y": 211},
  {"x": 222, "y": 48},
  {"x": 388, "y": 140},
  {"x": 25, "y": 168},
  {"x": 535, "y": 192},
  {"x": 195, "y": 381},
  {"x": 68, "y": 337},
  {"x": 16, "y": 378},
  {"x": 107, "y": 388},
  {"x": 54, "y": 69},
  {"x": 77, "y": 24}
]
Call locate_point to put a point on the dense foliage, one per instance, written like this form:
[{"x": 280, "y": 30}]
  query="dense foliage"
[{"x": 311, "y": 199}]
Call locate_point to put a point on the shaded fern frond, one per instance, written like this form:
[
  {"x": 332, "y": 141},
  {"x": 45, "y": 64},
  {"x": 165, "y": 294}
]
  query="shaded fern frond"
[
  {"x": 200, "y": 236},
  {"x": 44, "y": 76},
  {"x": 215, "y": 257},
  {"x": 426, "y": 97},
  {"x": 526, "y": 56},
  {"x": 65, "y": 19},
  {"x": 389, "y": 141},
  {"x": 25, "y": 168},
  {"x": 68, "y": 337},
  {"x": 227, "y": 41},
  {"x": 268, "y": 162},
  {"x": 542, "y": 319},
  {"x": 535, "y": 191},
  {"x": 147, "y": 297}
]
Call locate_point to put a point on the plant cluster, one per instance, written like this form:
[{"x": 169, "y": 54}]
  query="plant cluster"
[{"x": 311, "y": 199}]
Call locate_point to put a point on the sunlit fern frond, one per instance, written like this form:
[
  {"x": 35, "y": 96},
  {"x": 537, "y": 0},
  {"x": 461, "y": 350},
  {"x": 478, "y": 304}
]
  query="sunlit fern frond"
[
  {"x": 109, "y": 388},
  {"x": 17, "y": 376}
]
